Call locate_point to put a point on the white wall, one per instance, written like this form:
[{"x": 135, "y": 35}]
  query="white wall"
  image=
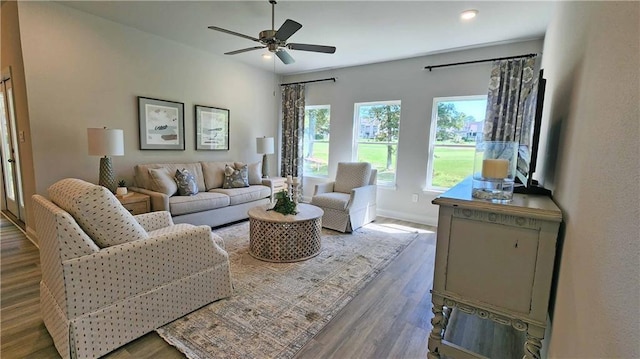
[
  {"x": 408, "y": 81},
  {"x": 83, "y": 71},
  {"x": 592, "y": 61}
]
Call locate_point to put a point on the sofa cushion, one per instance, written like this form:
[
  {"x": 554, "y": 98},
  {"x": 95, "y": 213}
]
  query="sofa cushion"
[
  {"x": 97, "y": 211},
  {"x": 162, "y": 181},
  {"x": 334, "y": 200},
  {"x": 186, "y": 183},
  {"x": 255, "y": 171},
  {"x": 202, "y": 201},
  {"x": 236, "y": 178},
  {"x": 352, "y": 175},
  {"x": 142, "y": 173},
  {"x": 244, "y": 194},
  {"x": 214, "y": 173}
]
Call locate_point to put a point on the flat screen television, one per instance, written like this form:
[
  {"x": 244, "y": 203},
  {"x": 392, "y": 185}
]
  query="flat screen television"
[{"x": 529, "y": 142}]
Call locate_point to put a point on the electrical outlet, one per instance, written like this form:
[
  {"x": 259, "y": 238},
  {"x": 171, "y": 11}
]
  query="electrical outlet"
[{"x": 414, "y": 198}]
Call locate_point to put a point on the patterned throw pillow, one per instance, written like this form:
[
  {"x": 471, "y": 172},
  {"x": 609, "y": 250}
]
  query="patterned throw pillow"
[
  {"x": 236, "y": 178},
  {"x": 187, "y": 185}
]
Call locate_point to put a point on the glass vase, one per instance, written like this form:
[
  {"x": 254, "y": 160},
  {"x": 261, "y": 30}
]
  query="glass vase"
[{"x": 494, "y": 170}]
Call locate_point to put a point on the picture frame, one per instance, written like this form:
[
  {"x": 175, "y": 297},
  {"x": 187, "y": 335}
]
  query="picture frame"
[
  {"x": 212, "y": 128},
  {"x": 161, "y": 124}
]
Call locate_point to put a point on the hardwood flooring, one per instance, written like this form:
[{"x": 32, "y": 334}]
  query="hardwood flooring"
[{"x": 390, "y": 318}]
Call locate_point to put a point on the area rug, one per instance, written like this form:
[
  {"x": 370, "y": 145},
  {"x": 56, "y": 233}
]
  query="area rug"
[{"x": 277, "y": 308}]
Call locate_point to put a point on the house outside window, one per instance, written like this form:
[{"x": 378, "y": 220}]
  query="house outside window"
[
  {"x": 377, "y": 128},
  {"x": 317, "y": 120},
  {"x": 456, "y": 125}
]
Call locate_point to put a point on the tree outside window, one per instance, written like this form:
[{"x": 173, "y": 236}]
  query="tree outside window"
[
  {"x": 457, "y": 124},
  {"x": 316, "y": 140},
  {"x": 378, "y": 125}
]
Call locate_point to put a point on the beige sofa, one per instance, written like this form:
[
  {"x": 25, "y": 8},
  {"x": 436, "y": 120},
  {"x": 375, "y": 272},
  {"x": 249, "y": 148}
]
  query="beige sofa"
[{"x": 213, "y": 205}]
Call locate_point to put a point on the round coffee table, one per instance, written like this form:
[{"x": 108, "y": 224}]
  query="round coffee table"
[{"x": 274, "y": 237}]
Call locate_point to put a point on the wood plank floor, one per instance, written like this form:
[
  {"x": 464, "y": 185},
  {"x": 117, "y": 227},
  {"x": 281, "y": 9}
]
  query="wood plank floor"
[{"x": 390, "y": 318}]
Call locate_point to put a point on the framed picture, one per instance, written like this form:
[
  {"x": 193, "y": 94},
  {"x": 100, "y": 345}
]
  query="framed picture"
[
  {"x": 212, "y": 128},
  {"x": 161, "y": 124}
]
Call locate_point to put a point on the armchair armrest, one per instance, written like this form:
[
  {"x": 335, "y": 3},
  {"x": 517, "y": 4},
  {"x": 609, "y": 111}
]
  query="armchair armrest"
[
  {"x": 323, "y": 188},
  {"x": 154, "y": 220},
  {"x": 132, "y": 268},
  {"x": 159, "y": 201},
  {"x": 362, "y": 196}
]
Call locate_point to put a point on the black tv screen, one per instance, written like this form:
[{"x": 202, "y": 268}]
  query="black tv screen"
[{"x": 530, "y": 134}]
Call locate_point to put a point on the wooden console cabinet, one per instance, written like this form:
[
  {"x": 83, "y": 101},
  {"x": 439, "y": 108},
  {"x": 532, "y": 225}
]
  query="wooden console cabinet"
[{"x": 494, "y": 261}]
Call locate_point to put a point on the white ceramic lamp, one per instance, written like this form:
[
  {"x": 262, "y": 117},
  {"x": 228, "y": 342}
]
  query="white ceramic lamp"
[
  {"x": 106, "y": 142},
  {"x": 264, "y": 146}
]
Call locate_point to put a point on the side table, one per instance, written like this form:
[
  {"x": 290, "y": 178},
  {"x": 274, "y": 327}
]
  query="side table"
[{"x": 135, "y": 202}]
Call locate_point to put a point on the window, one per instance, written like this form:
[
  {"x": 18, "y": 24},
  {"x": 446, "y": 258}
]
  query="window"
[
  {"x": 316, "y": 140},
  {"x": 456, "y": 124},
  {"x": 377, "y": 126}
]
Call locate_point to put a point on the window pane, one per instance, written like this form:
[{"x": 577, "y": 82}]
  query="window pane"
[
  {"x": 459, "y": 123},
  {"x": 316, "y": 140},
  {"x": 381, "y": 157}
]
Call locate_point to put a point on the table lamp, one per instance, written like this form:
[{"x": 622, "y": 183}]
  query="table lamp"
[
  {"x": 264, "y": 146},
  {"x": 106, "y": 142}
]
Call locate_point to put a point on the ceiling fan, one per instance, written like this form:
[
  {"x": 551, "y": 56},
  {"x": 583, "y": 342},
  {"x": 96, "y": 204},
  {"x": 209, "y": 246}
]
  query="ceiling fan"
[{"x": 276, "y": 41}]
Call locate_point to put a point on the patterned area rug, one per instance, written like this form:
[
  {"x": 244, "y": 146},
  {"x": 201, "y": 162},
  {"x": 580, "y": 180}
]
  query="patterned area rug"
[{"x": 278, "y": 307}]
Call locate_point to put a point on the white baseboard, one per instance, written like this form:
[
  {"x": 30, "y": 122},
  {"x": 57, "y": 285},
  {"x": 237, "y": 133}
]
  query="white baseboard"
[{"x": 403, "y": 216}]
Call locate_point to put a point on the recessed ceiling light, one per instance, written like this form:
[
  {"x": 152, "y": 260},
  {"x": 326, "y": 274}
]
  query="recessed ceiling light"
[
  {"x": 266, "y": 56},
  {"x": 468, "y": 14}
]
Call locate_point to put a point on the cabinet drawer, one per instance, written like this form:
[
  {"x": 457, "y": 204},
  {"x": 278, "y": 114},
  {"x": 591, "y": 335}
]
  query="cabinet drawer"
[{"x": 137, "y": 207}]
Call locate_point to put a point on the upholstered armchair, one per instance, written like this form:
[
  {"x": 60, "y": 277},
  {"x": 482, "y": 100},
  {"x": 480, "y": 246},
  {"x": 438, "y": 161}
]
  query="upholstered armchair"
[
  {"x": 109, "y": 277},
  {"x": 349, "y": 202}
]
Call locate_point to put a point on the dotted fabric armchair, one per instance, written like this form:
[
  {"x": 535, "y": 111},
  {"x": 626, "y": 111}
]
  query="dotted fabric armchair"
[
  {"x": 109, "y": 277},
  {"x": 349, "y": 202}
]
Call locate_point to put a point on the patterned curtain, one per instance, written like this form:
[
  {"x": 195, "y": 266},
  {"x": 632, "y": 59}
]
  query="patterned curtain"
[
  {"x": 292, "y": 130},
  {"x": 511, "y": 88}
]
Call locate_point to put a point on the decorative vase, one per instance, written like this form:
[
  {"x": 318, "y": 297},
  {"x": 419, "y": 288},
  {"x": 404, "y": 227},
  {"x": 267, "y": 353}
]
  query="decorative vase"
[
  {"x": 121, "y": 191},
  {"x": 494, "y": 170}
]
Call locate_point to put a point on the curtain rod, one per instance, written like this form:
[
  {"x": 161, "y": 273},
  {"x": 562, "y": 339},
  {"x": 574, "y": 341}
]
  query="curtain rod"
[
  {"x": 477, "y": 61},
  {"x": 310, "y": 81}
]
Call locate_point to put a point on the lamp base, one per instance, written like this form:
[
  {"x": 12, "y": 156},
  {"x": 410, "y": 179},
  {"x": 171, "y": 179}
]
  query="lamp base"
[
  {"x": 265, "y": 166},
  {"x": 107, "y": 178}
]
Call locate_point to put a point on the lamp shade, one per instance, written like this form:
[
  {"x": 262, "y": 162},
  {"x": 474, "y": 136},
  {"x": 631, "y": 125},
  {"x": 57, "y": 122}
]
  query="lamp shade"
[
  {"x": 105, "y": 142},
  {"x": 264, "y": 145}
]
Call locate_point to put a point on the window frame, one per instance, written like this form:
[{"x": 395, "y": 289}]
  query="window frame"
[
  {"x": 356, "y": 137},
  {"x": 432, "y": 136},
  {"x": 328, "y": 142}
]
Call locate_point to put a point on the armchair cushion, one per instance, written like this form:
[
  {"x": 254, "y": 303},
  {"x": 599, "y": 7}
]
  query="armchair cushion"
[
  {"x": 352, "y": 175},
  {"x": 335, "y": 200},
  {"x": 97, "y": 211}
]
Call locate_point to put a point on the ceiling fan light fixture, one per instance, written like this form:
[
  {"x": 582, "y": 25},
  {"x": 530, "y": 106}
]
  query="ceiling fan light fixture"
[
  {"x": 469, "y": 14},
  {"x": 267, "y": 56}
]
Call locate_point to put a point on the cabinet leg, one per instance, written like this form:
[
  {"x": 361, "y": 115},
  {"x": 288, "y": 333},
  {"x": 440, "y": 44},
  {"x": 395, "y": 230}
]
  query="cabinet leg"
[
  {"x": 533, "y": 343},
  {"x": 438, "y": 322}
]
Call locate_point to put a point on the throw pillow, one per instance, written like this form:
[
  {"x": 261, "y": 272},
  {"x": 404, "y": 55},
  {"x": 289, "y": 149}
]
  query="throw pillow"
[
  {"x": 187, "y": 185},
  {"x": 161, "y": 181},
  {"x": 236, "y": 178},
  {"x": 255, "y": 171}
]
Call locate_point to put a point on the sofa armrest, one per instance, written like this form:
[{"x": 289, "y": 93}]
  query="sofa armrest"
[
  {"x": 132, "y": 268},
  {"x": 323, "y": 188},
  {"x": 154, "y": 220},
  {"x": 362, "y": 196},
  {"x": 159, "y": 201}
]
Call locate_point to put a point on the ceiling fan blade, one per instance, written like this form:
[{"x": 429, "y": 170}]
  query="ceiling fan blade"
[
  {"x": 314, "y": 48},
  {"x": 233, "y": 33},
  {"x": 287, "y": 29},
  {"x": 285, "y": 57},
  {"x": 244, "y": 50}
]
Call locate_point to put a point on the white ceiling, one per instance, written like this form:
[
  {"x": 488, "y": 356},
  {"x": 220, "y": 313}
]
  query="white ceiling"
[{"x": 363, "y": 31}]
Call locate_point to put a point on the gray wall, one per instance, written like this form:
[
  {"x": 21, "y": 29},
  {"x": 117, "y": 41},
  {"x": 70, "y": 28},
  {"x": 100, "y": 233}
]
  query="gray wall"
[
  {"x": 83, "y": 71},
  {"x": 592, "y": 62},
  {"x": 404, "y": 80}
]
